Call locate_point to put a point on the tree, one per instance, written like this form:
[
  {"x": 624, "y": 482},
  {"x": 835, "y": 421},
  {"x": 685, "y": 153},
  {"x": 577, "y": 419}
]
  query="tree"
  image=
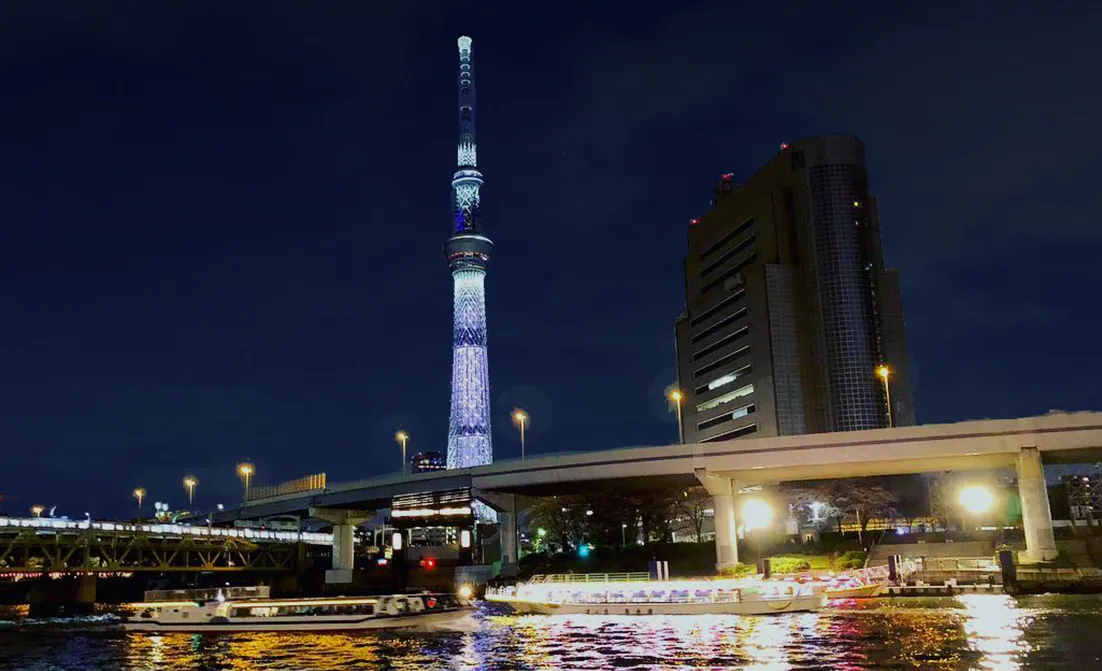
[
  {"x": 847, "y": 498},
  {"x": 691, "y": 509},
  {"x": 563, "y": 517},
  {"x": 655, "y": 512}
]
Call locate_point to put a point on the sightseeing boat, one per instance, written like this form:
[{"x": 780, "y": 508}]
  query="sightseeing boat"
[
  {"x": 639, "y": 594},
  {"x": 250, "y": 609}
]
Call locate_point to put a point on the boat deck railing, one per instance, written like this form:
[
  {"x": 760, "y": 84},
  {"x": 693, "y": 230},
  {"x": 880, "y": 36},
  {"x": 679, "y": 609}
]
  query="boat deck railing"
[{"x": 551, "y": 578}]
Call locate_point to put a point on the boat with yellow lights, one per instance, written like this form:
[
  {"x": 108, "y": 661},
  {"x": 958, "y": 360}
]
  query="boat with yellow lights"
[
  {"x": 250, "y": 609},
  {"x": 639, "y": 594}
]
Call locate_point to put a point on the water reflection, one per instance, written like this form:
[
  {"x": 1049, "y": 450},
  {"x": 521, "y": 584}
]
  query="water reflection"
[
  {"x": 967, "y": 632},
  {"x": 995, "y": 628}
]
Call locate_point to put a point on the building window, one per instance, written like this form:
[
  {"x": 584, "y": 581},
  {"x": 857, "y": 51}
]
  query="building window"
[
  {"x": 717, "y": 307},
  {"x": 721, "y": 343},
  {"x": 721, "y": 362},
  {"x": 724, "y": 380},
  {"x": 718, "y": 263},
  {"x": 731, "y": 435},
  {"x": 745, "y": 410},
  {"x": 714, "y": 328},
  {"x": 730, "y": 273},
  {"x": 715, "y": 246},
  {"x": 726, "y": 398}
]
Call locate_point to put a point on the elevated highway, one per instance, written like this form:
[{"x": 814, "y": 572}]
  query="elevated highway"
[{"x": 729, "y": 466}]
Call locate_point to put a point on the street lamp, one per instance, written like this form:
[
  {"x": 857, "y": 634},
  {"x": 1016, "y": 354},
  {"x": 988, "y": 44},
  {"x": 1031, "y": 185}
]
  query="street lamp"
[
  {"x": 139, "y": 494},
  {"x": 624, "y": 535},
  {"x": 756, "y": 514},
  {"x": 36, "y": 511},
  {"x": 676, "y": 397},
  {"x": 402, "y": 437},
  {"x": 246, "y": 471},
  {"x": 520, "y": 420},
  {"x": 977, "y": 500},
  {"x": 883, "y": 372},
  {"x": 189, "y": 484}
]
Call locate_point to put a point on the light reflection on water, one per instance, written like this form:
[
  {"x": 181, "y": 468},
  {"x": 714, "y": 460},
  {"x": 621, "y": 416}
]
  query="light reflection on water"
[
  {"x": 995, "y": 627},
  {"x": 969, "y": 632}
]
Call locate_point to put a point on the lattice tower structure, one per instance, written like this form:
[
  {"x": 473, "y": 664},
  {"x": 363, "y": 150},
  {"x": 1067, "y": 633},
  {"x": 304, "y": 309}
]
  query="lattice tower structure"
[{"x": 468, "y": 253}]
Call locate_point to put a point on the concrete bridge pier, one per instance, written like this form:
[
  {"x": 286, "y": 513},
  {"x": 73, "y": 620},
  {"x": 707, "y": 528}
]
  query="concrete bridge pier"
[
  {"x": 723, "y": 502},
  {"x": 1040, "y": 543},
  {"x": 344, "y": 524},
  {"x": 508, "y": 506}
]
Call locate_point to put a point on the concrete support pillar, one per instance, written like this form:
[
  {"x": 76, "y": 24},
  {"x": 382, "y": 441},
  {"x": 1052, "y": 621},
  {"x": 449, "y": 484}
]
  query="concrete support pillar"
[
  {"x": 508, "y": 508},
  {"x": 723, "y": 503},
  {"x": 508, "y": 530},
  {"x": 1040, "y": 543},
  {"x": 343, "y": 547},
  {"x": 344, "y": 544}
]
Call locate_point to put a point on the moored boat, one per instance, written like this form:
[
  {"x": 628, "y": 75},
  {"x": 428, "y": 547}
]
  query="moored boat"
[
  {"x": 638, "y": 594},
  {"x": 201, "y": 611}
]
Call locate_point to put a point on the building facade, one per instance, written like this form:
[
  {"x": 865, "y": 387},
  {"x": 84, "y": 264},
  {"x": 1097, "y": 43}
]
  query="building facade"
[{"x": 789, "y": 308}]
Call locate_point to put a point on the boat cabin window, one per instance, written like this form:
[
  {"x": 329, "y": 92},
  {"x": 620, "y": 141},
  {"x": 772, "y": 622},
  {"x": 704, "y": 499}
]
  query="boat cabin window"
[{"x": 304, "y": 610}]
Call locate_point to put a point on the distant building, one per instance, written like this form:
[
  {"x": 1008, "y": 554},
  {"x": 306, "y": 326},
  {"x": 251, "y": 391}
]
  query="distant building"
[
  {"x": 789, "y": 308},
  {"x": 423, "y": 462}
]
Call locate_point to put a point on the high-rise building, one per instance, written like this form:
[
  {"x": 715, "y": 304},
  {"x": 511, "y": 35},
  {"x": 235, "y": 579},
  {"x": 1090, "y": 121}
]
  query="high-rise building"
[
  {"x": 468, "y": 252},
  {"x": 425, "y": 462},
  {"x": 789, "y": 308}
]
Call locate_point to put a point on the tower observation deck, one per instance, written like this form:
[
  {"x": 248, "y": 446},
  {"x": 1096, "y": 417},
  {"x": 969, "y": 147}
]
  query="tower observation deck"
[{"x": 468, "y": 253}]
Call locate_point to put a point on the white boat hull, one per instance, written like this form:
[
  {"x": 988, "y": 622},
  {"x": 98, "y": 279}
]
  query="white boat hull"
[
  {"x": 324, "y": 623},
  {"x": 793, "y": 604}
]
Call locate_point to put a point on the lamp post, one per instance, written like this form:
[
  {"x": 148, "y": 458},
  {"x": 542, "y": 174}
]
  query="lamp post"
[
  {"x": 520, "y": 420},
  {"x": 189, "y": 484},
  {"x": 402, "y": 437},
  {"x": 676, "y": 396},
  {"x": 246, "y": 471},
  {"x": 883, "y": 372}
]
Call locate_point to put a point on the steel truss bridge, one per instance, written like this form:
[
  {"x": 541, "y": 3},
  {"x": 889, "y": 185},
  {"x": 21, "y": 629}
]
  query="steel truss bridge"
[{"x": 35, "y": 546}]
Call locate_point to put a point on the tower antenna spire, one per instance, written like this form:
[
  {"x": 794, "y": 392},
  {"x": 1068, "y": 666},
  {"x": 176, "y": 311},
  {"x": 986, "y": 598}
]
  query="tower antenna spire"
[{"x": 468, "y": 253}]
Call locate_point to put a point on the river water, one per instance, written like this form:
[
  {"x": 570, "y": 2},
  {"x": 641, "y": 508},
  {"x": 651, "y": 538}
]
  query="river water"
[{"x": 964, "y": 632}]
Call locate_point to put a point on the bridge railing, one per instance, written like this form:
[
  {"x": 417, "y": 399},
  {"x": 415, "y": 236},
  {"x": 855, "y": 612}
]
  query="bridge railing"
[
  {"x": 310, "y": 483},
  {"x": 588, "y": 577},
  {"x": 255, "y": 535}
]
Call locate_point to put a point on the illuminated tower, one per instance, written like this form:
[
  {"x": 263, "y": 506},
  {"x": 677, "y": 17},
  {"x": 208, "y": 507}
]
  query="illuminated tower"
[{"x": 468, "y": 252}]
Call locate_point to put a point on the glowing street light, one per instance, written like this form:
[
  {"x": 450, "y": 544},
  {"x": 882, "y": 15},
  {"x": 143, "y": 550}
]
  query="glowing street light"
[
  {"x": 36, "y": 511},
  {"x": 402, "y": 437},
  {"x": 976, "y": 499},
  {"x": 756, "y": 514},
  {"x": 884, "y": 373},
  {"x": 246, "y": 471},
  {"x": 676, "y": 397},
  {"x": 139, "y": 494},
  {"x": 520, "y": 420},
  {"x": 189, "y": 484}
]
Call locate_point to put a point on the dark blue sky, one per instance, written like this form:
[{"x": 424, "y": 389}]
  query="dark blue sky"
[{"x": 222, "y": 222}]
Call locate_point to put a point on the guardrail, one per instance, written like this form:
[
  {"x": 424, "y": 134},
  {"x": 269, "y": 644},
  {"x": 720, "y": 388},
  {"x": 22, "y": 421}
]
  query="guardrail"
[
  {"x": 122, "y": 528},
  {"x": 310, "y": 483},
  {"x": 589, "y": 577}
]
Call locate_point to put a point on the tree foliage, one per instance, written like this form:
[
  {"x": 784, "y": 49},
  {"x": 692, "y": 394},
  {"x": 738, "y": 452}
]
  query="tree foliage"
[
  {"x": 845, "y": 500},
  {"x": 691, "y": 511}
]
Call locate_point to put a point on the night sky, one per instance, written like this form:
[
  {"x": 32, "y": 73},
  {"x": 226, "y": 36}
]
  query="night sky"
[{"x": 223, "y": 222}]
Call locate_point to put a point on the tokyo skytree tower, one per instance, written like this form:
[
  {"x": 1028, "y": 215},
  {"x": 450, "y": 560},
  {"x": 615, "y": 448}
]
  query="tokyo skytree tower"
[{"x": 468, "y": 252}]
